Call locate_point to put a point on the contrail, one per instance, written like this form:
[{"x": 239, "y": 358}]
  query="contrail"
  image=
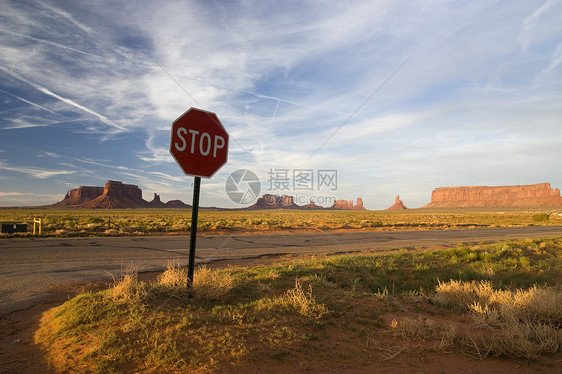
[
  {"x": 32, "y": 103},
  {"x": 50, "y": 43},
  {"x": 278, "y": 99},
  {"x": 361, "y": 106},
  {"x": 176, "y": 81},
  {"x": 68, "y": 16},
  {"x": 46, "y": 91}
]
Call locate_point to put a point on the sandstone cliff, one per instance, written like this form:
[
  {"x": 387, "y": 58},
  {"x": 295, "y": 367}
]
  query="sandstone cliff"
[
  {"x": 348, "y": 205},
  {"x": 117, "y": 195},
  {"x": 269, "y": 201},
  {"x": 80, "y": 195},
  {"x": 525, "y": 196},
  {"x": 398, "y": 204},
  {"x": 312, "y": 205},
  {"x": 114, "y": 195}
]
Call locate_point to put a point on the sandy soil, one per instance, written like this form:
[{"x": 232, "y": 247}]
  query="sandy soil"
[{"x": 18, "y": 353}]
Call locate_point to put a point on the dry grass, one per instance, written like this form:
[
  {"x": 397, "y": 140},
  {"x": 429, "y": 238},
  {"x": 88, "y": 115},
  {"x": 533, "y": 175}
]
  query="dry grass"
[
  {"x": 526, "y": 323},
  {"x": 297, "y": 300},
  {"x": 304, "y": 302},
  {"x": 125, "y": 288},
  {"x": 419, "y": 329},
  {"x": 292, "y": 313},
  {"x": 67, "y": 222},
  {"x": 212, "y": 285},
  {"x": 173, "y": 277}
]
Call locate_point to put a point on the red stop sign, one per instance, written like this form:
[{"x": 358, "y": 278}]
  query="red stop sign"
[{"x": 199, "y": 143}]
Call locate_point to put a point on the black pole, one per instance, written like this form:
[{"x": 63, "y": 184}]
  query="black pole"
[{"x": 193, "y": 238}]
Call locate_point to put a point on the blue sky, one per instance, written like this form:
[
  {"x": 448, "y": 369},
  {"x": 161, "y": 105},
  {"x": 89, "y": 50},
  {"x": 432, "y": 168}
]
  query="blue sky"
[{"x": 400, "y": 97}]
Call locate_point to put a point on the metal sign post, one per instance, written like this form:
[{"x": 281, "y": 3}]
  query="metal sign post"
[{"x": 193, "y": 237}]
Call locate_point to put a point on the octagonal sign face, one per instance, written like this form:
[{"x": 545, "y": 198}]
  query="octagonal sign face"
[{"x": 199, "y": 143}]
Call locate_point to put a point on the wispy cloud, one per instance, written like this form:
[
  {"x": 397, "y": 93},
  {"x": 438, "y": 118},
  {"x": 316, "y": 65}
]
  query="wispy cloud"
[
  {"x": 283, "y": 79},
  {"x": 12, "y": 198},
  {"x": 35, "y": 172},
  {"x": 65, "y": 100},
  {"x": 530, "y": 23},
  {"x": 32, "y": 103},
  {"x": 58, "y": 45}
]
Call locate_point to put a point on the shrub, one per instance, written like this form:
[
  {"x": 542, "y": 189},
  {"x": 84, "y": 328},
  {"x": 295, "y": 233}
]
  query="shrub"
[{"x": 543, "y": 217}]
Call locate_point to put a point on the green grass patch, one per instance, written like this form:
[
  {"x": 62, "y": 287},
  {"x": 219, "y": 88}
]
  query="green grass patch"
[
  {"x": 78, "y": 222},
  {"x": 290, "y": 311}
]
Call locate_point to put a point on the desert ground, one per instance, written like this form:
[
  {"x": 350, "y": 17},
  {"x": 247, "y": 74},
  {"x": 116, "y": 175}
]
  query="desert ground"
[{"x": 356, "y": 313}]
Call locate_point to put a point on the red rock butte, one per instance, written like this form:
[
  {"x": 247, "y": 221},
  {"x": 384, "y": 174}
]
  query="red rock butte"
[
  {"x": 524, "y": 196},
  {"x": 398, "y": 204},
  {"x": 348, "y": 205},
  {"x": 270, "y": 201},
  {"x": 114, "y": 195}
]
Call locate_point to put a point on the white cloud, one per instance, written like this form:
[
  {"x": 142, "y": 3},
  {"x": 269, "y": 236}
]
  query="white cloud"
[
  {"x": 530, "y": 23},
  {"x": 12, "y": 198},
  {"x": 35, "y": 172},
  {"x": 283, "y": 77}
]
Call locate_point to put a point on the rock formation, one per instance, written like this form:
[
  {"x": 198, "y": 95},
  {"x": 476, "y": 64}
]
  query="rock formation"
[
  {"x": 312, "y": 205},
  {"x": 117, "y": 195},
  {"x": 398, "y": 204},
  {"x": 114, "y": 195},
  {"x": 525, "y": 196},
  {"x": 80, "y": 195},
  {"x": 177, "y": 204},
  {"x": 156, "y": 202},
  {"x": 348, "y": 205},
  {"x": 269, "y": 201}
]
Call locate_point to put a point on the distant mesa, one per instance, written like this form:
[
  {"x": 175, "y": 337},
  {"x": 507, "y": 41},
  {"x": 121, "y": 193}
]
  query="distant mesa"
[
  {"x": 270, "y": 201},
  {"x": 114, "y": 195},
  {"x": 524, "y": 196},
  {"x": 311, "y": 205},
  {"x": 398, "y": 204},
  {"x": 348, "y": 205}
]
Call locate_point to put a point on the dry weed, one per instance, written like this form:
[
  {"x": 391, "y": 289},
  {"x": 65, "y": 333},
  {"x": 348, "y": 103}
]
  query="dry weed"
[
  {"x": 125, "y": 288},
  {"x": 526, "y": 322},
  {"x": 416, "y": 330},
  {"x": 173, "y": 277},
  {"x": 419, "y": 329},
  {"x": 212, "y": 285},
  {"x": 304, "y": 302}
]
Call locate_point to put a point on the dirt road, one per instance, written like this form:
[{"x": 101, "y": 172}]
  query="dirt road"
[{"x": 30, "y": 267}]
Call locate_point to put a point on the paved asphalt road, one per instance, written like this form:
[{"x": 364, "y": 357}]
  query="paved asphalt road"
[{"x": 29, "y": 267}]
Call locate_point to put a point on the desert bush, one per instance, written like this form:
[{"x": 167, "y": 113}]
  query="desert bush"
[
  {"x": 212, "y": 285},
  {"x": 527, "y": 321},
  {"x": 533, "y": 304},
  {"x": 297, "y": 300},
  {"x": 126, "y": 288},
  {"x": 173, "y": 277},
  {"x": 419, "y": 329},
  {"x": 542, "y": 217},
  {"x": 304, "y": 302}
]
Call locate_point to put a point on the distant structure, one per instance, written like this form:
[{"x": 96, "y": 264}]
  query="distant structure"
[
  {"x": 398, "y": 204},
  {"x": 270, "y": 201},
  {"x": 348, "y": 205},
  {"x": 114, "y": 195},
  {"x": 524, "y": 196}
]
